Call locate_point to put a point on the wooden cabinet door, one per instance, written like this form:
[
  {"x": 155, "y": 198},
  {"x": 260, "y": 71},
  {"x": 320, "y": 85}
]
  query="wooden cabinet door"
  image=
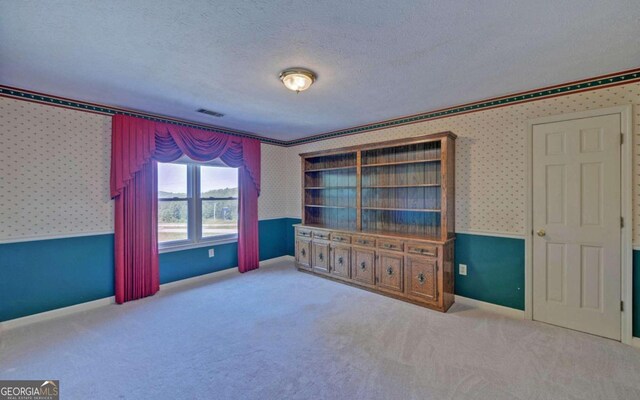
[
  {"x": 390, "y": 271},
  {"x": 303, "y": 252},
  {"x": 320, "y": 251},
  {"x": 340, "y": 261},
  {"x": 362, "y": 265},
  {"x": 421, "y": 277}
]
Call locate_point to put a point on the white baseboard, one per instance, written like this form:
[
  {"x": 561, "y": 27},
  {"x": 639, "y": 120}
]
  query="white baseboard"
[
  {"x": 58, "y": 312},
  {"x": 91, "y": 305},
  {"x": 482, "y": 305},
  {"x": 218, "y": 274}
]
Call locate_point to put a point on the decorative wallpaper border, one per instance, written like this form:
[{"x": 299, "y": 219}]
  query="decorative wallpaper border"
[
  {"x": 598, "y": 82},
  {"x": 20, "y": 94}
]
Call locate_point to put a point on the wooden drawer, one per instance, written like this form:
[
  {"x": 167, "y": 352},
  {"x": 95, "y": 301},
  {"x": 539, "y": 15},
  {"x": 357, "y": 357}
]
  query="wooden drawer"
[
  {"x": 340, "y": 238},
  {"x": 320, "y": 252},
  {"x": 390, "y": 244},
  {"x": 362, "y": 265},
  {"x": 423, "y": 249},
  {"x": 422, "y": 278},
  {"x": 303, "y": 252},
  {"x": 303, "y": 232},
  {"x": 340, "y": 261},
  {"x": 322, "y": 235},
  {"x": 389, "y": 268},
  {"x": 366, "y": 241}
]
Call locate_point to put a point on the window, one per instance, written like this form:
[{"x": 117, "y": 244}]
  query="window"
[
  {"x": 196, "y": 204},
  {"x": 173, "y": 202},
  {"x": 219, "y": 201}
]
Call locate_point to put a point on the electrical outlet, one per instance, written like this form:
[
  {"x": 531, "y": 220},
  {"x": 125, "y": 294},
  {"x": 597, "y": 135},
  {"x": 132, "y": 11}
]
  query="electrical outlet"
[
  {"x": 462, "y": 269},
  {"x": 211, "y": 253}
]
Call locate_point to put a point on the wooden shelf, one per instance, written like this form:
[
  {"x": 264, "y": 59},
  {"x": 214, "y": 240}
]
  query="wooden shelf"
[
  {"x": 319, "y": 206},
  {"x": 374, "y": 232},
  {"x": 401, "y": 163},
  {"x": 386, "y": 174},
  {"x": 330, "y": 169},
  {"x": 330, "y": 187},
  {"x": 401, "y": 235},
  {"x": 433, "y": 210},
  {"x": 401, "y": 186}
]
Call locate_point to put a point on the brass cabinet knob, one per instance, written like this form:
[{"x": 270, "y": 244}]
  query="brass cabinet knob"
[
  {"x": 421, "y": 278},
  {"x": 303, "y": 252},
  {"x": 340, "y": 260},
  {"x": 541, "y": 232},
  {"x": 389, "y": 271},
  {"x": 321, "y": 256},
  {"x": 363, "y": 266}
]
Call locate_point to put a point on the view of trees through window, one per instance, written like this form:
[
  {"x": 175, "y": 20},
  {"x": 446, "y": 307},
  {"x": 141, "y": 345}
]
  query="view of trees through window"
[
  {"x": 215, "y": 194},
  {"x": 219, "y": 200}
]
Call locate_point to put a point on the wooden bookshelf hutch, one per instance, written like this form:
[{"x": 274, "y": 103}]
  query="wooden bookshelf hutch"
[{"x": 381, "y": 216}]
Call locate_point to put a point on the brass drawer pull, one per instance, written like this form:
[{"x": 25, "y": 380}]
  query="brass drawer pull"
[
  {"x": 363, "y": 242},
  {"x": 303, "y": 233},
  {"x": 421, "y": 278},
  {"x": 322, "y": 236},
  {"x": 421, "y": 251},
  {"x": 389, "y": 271},
  {"x": 338, "y": 238},
  {"x": 363, "y": 266},
  {"x": 389, "y": 246}
]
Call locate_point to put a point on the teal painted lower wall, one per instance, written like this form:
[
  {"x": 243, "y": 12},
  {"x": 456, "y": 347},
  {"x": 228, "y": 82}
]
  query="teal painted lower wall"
[
  {"x": 47, "y": 274},
  {"x": 291, "y": 235},
  {"x": 495, "y": 269},
  {"x": 636, "y": 293},
  {"x": 43, "y": 275}
]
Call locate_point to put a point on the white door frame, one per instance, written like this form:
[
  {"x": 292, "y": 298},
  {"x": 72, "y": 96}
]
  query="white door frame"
[{"x": 626, "y": 160}]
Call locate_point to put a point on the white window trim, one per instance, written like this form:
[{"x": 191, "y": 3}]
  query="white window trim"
[
  {"x": 194, "y": 223},
  {"x": 188, "y": 246}
]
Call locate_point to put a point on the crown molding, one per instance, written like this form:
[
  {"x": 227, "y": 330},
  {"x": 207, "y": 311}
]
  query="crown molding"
[{"x": 598, "y": 82}]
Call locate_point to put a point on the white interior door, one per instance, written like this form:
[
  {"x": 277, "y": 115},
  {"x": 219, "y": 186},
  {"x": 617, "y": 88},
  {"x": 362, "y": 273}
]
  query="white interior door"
[{"x": 577, "y": 224}]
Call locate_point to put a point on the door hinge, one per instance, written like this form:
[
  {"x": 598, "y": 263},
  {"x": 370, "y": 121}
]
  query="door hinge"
[
  {"x": 622, "y": 306},
  {"x": 621, "y": 222},
  {"x": 621, "y": 138}
]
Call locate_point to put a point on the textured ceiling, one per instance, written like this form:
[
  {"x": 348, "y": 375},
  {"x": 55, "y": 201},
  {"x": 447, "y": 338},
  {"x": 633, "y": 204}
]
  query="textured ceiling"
[{"x": 375, "y": 60}]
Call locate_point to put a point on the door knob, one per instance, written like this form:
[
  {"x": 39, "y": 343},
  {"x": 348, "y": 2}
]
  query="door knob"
[{"x": 541, "y": 232}]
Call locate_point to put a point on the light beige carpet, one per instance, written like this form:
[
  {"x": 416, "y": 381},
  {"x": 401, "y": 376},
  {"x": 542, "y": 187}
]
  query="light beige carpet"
[{"x": 277, "y": 333}]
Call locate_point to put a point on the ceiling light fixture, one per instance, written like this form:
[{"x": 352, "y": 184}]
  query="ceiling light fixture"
[{"x": 297, "y": 79}]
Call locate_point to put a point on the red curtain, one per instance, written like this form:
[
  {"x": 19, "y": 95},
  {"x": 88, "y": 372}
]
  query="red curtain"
[{"x": 136, "y": 146}]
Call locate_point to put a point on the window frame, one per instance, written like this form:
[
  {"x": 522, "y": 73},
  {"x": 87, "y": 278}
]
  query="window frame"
[{"x": 194, "y": 216}]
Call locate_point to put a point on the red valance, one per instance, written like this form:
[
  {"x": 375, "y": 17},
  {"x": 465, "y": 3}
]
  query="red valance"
[{"x": 136, "y": 141}]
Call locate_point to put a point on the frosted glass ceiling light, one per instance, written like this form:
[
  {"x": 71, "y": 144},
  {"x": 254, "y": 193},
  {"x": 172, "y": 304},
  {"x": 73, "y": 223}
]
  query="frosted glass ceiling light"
[{"x": 297, "y": 79}]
